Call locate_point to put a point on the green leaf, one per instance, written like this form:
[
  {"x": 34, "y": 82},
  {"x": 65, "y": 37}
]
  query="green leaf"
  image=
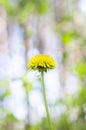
[
  {"x": 11, "y": 118},
  {"x": 6, "y": 94},
  {"x": 68, "y": 37},
  {"x": 81, "y": 69},
  {"x": 27, "y": 84},
  {"x": 6, "y": 3},
  {"x": 24, "y": 13},
  {"x": 80, "y": 99},
  {"x": 43, "y": 7},
  {"x": 65, "y": 56},
  {"x": 7, "y": 6},
  {"x": 82, "y": 95},
  {"x": 4, "y": 83}
]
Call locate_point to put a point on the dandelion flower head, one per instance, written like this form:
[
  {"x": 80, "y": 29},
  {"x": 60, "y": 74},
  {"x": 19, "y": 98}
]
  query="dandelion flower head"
[{"x": 41, "y": 62}]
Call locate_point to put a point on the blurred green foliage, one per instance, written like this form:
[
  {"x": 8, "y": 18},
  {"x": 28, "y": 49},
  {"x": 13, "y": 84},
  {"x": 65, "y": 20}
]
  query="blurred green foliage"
[{"x": 21, "y": 9}]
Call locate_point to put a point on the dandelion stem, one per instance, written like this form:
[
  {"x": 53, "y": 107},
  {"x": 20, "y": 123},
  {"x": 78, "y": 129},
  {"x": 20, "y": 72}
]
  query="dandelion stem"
[{"x": 45, "y": 101}]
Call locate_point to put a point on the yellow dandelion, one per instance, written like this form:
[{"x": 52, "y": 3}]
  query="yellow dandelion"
[{"x": 41, "y": 62}]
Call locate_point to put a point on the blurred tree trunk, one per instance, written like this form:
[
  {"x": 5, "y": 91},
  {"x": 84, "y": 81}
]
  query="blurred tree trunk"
[
  {"x": 3, "y": 31},
  {"x": 59, "y": 9},
  {"x": 40, "y": 40},
  {"x": 62, "y": 9},
  {"x": 26, "y": 44}
]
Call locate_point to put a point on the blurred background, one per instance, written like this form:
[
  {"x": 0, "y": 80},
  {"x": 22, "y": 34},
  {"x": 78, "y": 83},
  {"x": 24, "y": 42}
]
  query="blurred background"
[{"x": 54, "y": 27}]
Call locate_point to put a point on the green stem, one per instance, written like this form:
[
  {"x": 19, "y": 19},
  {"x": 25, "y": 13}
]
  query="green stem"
[{"x": 45, "y": 101}]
